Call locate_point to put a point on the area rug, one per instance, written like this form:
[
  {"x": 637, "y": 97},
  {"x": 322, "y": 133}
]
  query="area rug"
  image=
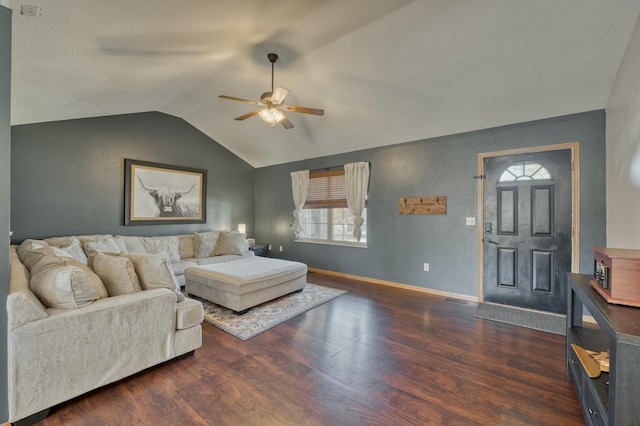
[
  {"x": 269, "y": 314},
  {"x": 552, "y": 323}
]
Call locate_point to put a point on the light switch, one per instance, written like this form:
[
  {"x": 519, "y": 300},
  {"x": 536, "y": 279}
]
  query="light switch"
[{"x": 471, "y": 221}]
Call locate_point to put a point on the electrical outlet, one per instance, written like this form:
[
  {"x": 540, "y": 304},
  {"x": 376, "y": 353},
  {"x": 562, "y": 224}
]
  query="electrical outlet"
[
  {"x": 471, "y": 221},
  {"x": 28, "y": 10},
  {"x": 426, "y": 267},
  {"x": 280, "y": 248},
  {"x": 269, "y": 247}
]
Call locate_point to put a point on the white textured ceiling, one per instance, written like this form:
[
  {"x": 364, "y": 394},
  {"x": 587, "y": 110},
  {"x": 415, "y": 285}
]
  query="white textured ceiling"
[{"x": 385, "y": 71}]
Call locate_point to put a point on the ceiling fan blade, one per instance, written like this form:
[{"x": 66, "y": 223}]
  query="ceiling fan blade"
[
  {"x": 286, "y": 123},
  {"x": 278, "y": 95},
  {"x": 233, "y": 98},
  {"x": 304, "y": 110},
  {"x": 248, "y": 115}
]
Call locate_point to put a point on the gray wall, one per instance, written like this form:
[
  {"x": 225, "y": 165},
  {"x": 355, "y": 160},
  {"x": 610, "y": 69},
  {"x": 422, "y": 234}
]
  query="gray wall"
[
  {"x": 68, "y": 176},
  {"x": 398, "y": 245},
  {"x": 5, "y": 190}
]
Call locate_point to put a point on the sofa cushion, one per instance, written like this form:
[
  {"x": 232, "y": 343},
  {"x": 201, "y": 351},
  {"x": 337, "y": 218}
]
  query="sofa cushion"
[
  {"x": 152, "y": 245},
  {"x": 204, "y": 244},
  {"x": 189, "y": 312},
  {"x": 180, "y": 266},
  {"x": 107, "y": 245},
  {"x": 116, "y": 272},
  {"x": 185, "y": 246},
  {"x": 65, "y": 283},
  {"x": 155, "y": 271},
  {"x": 233, "y": 242}
]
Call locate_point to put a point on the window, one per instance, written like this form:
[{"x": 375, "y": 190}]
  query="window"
[
  {"x": 525, "y": 170},
  {"x": 326, "y": 189},
  {"x": 325, "y": 216},
  {"x": 331, "y": 225}
]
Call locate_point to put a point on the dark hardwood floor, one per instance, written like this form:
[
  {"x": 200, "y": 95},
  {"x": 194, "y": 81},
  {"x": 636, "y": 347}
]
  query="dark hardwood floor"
[{"x": 374, "y": 356}]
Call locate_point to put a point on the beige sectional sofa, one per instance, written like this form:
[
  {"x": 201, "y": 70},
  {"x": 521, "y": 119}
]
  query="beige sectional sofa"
[{"x": 86, "y": 311}]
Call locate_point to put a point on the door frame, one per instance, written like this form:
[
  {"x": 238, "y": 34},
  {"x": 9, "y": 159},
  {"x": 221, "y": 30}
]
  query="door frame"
[{"x": 574, "y": 147}]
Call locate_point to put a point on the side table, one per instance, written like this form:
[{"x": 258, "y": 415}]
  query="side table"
[{"x": 260, "y": 250}]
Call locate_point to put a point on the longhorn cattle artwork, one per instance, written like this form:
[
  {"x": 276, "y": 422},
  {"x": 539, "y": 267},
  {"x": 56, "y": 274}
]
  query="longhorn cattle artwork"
[{"x": 163, "y": 194}]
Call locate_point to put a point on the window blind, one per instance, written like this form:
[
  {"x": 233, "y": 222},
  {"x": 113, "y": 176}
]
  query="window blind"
[{"x": 326, "y": 190}]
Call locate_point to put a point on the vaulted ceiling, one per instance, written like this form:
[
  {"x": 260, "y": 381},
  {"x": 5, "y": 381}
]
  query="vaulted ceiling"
[{"x": 385, "y": 71}]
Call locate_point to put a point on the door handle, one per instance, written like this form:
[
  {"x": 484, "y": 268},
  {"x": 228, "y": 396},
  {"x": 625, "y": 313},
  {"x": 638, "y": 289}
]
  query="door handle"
[{"x": 493, "y": 242}]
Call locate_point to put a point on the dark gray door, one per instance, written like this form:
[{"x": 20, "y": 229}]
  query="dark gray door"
[{"x": 527, "y": 230}]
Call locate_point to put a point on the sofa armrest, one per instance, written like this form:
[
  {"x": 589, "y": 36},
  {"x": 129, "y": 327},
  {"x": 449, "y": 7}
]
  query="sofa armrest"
[
  {"x": 74, "y": 351},
  {"x": 189, "y": 313},
  {"x": 22, "y": 305}
]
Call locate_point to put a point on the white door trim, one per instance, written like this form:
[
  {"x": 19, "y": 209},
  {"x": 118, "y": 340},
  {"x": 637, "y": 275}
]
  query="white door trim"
[{"x": 575, "y": 202}]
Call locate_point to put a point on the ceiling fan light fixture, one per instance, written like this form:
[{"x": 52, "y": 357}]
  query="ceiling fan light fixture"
[
  {"x": 271, "y": 116},
  {"x": 271, "y": 102}
]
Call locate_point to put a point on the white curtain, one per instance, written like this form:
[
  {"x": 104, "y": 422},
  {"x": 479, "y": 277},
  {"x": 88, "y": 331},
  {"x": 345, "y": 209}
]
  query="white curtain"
[
  {"x": 299, "y": 186},
  {"x": 356, "y": 176}
]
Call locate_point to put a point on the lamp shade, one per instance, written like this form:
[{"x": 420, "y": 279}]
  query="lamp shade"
[{"x": 242, "y": 228}]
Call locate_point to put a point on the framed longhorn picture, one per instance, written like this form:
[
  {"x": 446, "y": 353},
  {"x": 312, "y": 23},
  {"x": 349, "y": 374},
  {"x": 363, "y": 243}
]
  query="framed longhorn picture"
[{"x": 156, "y": 194}]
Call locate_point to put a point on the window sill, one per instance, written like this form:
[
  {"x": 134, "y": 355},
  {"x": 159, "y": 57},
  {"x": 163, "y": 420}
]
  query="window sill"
[{"x": 332, "y": 243}]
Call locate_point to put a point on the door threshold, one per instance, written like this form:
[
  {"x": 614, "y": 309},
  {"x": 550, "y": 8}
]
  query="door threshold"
[{"x": 526, "y": 309}]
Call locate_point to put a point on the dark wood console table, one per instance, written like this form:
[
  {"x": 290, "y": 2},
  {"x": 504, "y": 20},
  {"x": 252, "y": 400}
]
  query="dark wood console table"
[{"x": 613, "y": 398}]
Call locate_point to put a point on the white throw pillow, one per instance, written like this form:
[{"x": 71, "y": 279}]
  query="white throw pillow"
[
  {"x": 116, "y": 272},
  {"x": 74, "y": 248},
  {"x": 108, "y": 245},
  {"x": 231, "y": 243},
  {"x": 204, "y": 244},
  {"x": 155, "y": 271}
]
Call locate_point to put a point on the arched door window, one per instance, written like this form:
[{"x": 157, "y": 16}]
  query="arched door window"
[{"x": 525, "y": 171}]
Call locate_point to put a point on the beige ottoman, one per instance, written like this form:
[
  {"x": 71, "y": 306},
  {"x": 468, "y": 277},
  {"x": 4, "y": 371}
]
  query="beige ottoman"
[{"x": 244, "y": 283}]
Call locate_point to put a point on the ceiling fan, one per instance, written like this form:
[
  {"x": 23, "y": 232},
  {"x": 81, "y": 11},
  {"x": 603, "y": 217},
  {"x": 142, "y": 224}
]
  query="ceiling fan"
[{"x": 272, "y": 103}]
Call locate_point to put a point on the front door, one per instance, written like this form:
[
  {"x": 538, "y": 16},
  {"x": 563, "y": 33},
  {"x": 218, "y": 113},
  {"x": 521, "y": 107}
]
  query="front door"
[{"x": 527, "y": 230}]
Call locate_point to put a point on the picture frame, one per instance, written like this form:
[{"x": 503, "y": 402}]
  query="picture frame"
[{"x": 163, "y": 194}]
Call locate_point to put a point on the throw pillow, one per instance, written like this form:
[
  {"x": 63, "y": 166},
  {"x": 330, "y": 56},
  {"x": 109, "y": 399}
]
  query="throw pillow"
[
  {"x": 231, "y": 243},
  {"x": 185, "y": 246},
  {"x": 74, "y": 248},
  {"x": 204, "y": 244},
  {"x": 31, "y": 252},
  {"x": 155, "y": 271},
  {"x": 116, "y": 272},
  {"x": 108, "y": 245},
  {"x": 65, "y": 285}
]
